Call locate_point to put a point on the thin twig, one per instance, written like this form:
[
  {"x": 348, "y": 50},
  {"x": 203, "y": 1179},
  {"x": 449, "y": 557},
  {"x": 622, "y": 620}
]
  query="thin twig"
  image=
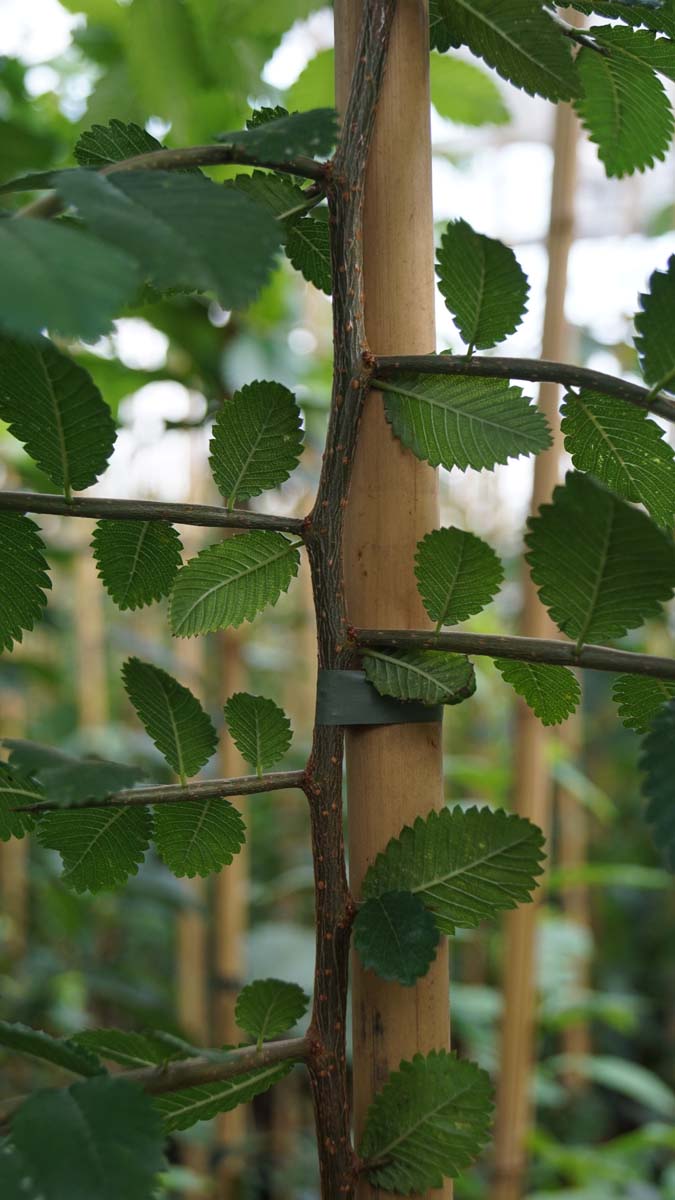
[
  {"x": 522, "y": 649},
  {"x": 175, "y": 793},
  {"x": 205, "y": 515},
  {"x": 533, "y": 369},
  {"x": 176, "y": 160},
  {"x": 195, "y": 1072}
]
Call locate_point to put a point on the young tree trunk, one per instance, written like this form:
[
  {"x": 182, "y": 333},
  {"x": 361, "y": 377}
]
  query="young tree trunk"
[
  {"x": 531, "y": 773},
  {"x": 394, "y": 773}
]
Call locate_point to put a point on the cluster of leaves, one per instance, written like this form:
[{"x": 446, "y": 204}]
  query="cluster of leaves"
[
  {"x": 612, "y": 73},
  {"x": 102, "y": 844}
]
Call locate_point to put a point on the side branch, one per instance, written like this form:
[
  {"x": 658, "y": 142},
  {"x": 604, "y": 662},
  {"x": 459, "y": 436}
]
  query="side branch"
[
  {"x": 532, "y": 369},
  {"x": 205, "y": 515},
  {"x": 177, "y": 160},
  {"x": 523, "y": 649},
  {"x": 194, "y": 1072},
  {"x": 176, "y": 793}
]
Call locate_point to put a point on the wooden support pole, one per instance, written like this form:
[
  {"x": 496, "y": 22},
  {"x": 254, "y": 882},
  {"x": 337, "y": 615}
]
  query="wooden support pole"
[
  {"x": 531, "y": 771},
  {"x": 394, "y": 773}
]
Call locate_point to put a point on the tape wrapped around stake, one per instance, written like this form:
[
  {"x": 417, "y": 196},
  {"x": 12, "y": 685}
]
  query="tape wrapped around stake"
[{"x": 348, "y": 698}]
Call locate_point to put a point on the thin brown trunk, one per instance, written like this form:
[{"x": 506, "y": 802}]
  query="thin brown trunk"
[
  {"x": 394, "y": 773},
  {"x": 531, "y": 772}
]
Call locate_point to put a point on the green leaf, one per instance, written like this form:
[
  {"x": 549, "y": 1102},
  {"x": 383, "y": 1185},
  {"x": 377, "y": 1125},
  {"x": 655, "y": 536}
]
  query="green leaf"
[
  {"x": 308, "y": 133},
  {"x": 516, "y": 37},
  {"x": 58, "y": 1051},
  {"x": 601, "y": 566},
  {"x": 456, "y": 422},
  {"x": 465, "y": 865},
  {"x": 172, "y": 716},
  {"x": 551, "y": 692},
  {"x": 231, "y": 582},
  {"x": 137, "y": 561},
  {"x": 625, "y": 110},
  {"x": 396, "y": 937},
  {"x": 276, "y": 192},
  {"x": 654, "y": 13},
  {"x": 463, "y": 93},
  {"x": 308, "y": 248},
  {"x": 69, "y": 782},
  {"x": 100, "y": 847},
  {"x": 198, "y": 837},
  {"x": 180, "y": 1110},
  {"x": 637, "y": 45},
  {"x": 256, "y": 441},
  {"x": 260, "y": 729},
  {"x": 269, "y": 1007},
  {"x": 628, "y": 1078},
  {"x": 457, "y": 574},
  {"x": 16, "y": 789},
  {"x": 126, "y": 1048},
  {"x": 639, "y": 698},
  {"x": 623, "y": 448},
  {"x": 104, "y": 144},
  {"x": 22, "y": 590},
  {"x": 184, "y": 230},
  {"x": 62, "y": 279},
  {"x": 430, "y": 676},
  {"x": 431, "y": 1119},
  {"x": 483, "y": 285},
  {"x": 53, "y": 406},
  {"x": 100, "y": 1140},
  {"x": 315, "y": 85},
  {"x": 657, "y": 761},
  {"x": 654, "y": 325}
]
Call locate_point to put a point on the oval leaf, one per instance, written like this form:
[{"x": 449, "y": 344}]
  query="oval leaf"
[
  {"x": 640, "y": 698},
  {"x": 137, "y": 561},
  {"x": 269, "y": 1007},
  {"x": 198, "y": 837},
  {"x": 396, "y": 937},
  {"x": 551, "y": 692},
  {"x": 430, "y": 676},
  {"x": 457, "y": 575},
  {"x": 483, "y": 285},
  {"x": 100, "y": 847},
  {"x": 256, "y": 441},
  {"x": 22, "y": 590},
  {"x": 172, "y": 716},
  {"x": 260, "y": 729}
]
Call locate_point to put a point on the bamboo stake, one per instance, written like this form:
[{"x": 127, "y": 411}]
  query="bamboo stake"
[
  {"x": 531, "y": 773},
  {"x": 394, "y": 773}
]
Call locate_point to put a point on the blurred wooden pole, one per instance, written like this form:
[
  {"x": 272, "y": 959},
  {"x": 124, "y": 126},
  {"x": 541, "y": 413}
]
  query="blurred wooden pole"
[
  {"x": 394, "y": 773},
  {"x": 90, "y": 636},
  {"x": 572, "y": 852},
  {"x": 14, "y": 853},
  {"x": 531, "y": 771}
]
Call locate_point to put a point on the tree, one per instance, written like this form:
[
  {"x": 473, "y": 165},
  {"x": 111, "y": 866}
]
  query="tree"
[{"x": 136, "y": 214}]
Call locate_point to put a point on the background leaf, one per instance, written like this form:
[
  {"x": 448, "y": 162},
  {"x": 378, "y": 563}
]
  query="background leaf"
[
  {"x": 231, "y": 581},
  {"x": 305, "y": 133},
  {"x": 457, "y": 574},
  {"x": 461, "y": 92},
  {"x": 657, "y": 761},
  {"x": 483, "y": 285},
  {"x": 22, "y": 590},
  {"x": 16, "y": 789},
  {"x": 182, "y": 229},
  {"x": 465, "y": 865},
  {"x": 172, "y": 716},
  {"x": 61, "y": 279},
  {"x": 256, "y": 440},
  {"x": 267, "y": 1008},
  {"x": 455, "y": 422},
  {"x": 430, "y": 1120},
  {"x": 430, "y": 676},
  {"x": 53, "y": 406},
  {"x": 197, "y": 837},
  {"x": 100, "y": 1139},
  {"x": 625, "y": 110},
  {"x": 137, "y": 561},
  {"x": 100, "y": 847},
  {"x": 653, "y": 326},
  {"x": 396, "y": 937},
  {"x": 104, "y": 144},
  {"x": 640, "y": 698},
  {"x": 623, "y": 448},
  {"x": 516, "y": 37},
  {"x": 601, "y": 566},
  {"x": 260, "y": 729},
  {"x": 551, "y": 692},
  {"x": 128, "y": 1049}
]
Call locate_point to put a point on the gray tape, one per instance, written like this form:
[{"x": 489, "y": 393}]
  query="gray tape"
[{"x": 348, "y": 698}]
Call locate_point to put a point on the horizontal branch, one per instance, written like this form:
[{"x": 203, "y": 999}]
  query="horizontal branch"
[
  {"x": 522, "y": 649},
  {"x": 178, "y": 160},
  {"x": 205, "y": 515},
  {"x": 532, "y": 369},
  {"x": 177, "y": 793},
  {"x": 195, "y": 1072}
]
